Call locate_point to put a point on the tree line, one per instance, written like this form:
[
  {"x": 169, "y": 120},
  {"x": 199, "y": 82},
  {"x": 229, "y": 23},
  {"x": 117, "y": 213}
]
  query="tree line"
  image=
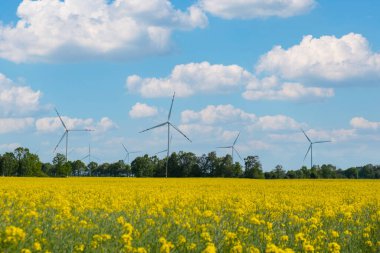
[{"x": 21, "y": 162}]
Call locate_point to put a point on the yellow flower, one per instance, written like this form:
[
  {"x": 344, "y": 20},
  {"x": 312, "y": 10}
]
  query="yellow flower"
[
  {"x": 37, "y": 246},
  {"x": 334, "y": 247},
  {"x": 210, "y": 248},
  {"x": 308, "y": 248},
  {"x": 284, "y": 238},
  {"x": 37, "y": 231},
  {"x": 236, "y": 249},
  {"x": 79, "y": 248},
  {"x": 253, "y": 249},
  {"x": 334, "y": 234},
  {"x": 26, "y": 251},
  {"x": 181, "y": 239}
]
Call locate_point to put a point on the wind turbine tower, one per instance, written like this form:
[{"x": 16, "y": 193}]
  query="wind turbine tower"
[
  {"x": 232, "y": 147},
  {"x": 66, "y": 133},
  {"x": 311, "y": 148},
  {"x": 168, "y": 124}
]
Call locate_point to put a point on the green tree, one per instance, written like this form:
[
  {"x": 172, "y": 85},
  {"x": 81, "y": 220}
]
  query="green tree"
[
  {"x": 142, "y": 166},
  {"x": 91, "y": 167},
  {"x": 61, "y": 167},
  {"x": 253, "y": 167},
  {"x": 8, "y": 164},
  {"x": 78, "y": 168}
]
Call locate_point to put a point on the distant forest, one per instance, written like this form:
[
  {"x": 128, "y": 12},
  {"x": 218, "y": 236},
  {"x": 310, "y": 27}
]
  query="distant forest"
[{"x": 182, "y": 164}]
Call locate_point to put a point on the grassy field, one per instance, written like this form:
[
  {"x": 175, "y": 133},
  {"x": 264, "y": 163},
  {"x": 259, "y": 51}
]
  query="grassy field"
[{"x": 188, "y": 215}]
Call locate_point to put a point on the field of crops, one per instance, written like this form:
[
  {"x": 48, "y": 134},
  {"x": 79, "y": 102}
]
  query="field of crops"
[{"x": 188, "y": 215}]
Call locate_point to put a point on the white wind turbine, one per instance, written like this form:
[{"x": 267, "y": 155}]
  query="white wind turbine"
[
  {"x": 311, "y": 148},
  {"x": 168, "y": 124},
  {"x": 128, "y": 152},
  {"x": 232, "y": 147},
  {"x": 66, "y": 133}
]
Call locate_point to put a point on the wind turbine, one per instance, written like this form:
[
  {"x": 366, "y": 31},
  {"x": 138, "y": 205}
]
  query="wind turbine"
[
  {"x": 66, "y": 133},
  {"x": 232, "y": 147},
  {"x": 169, "y": 124},
  {"x": 127, "y": 155},
  {"x": 311, "y": 148},
  {"x": 88, "y": 155}
]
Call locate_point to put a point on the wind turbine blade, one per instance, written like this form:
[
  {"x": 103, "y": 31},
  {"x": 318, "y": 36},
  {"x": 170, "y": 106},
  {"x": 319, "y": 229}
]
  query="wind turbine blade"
[
  {"x": 237, "y": 153},
  {"x": 307, "y": 152},
  {"x": 225, "y": 147},
  {"x": 236, "y": 139},
  {"x": 60, "y": 140},
  {"x": 162, "y": 151},
  {"x": 160, "y": 125},
  {"x": 306, "y": 135},
  {"x": 84, "y": 157},
  {"x": 80, "y": 130},
  {"x": 179, "y": 131},
  {"x": 59, "y": 116},
  {"x": 126, "y": 150},
  {"x": 321, "y": 142},
  {"x": 171, "y": 106}
]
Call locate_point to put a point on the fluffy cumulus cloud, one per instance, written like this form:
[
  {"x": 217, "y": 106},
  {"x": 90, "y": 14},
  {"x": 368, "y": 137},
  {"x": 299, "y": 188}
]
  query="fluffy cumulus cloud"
[
  {"x": 140, "y": 110},
  {"x": 53, "y": 124},
  {"x": 362, "y": 123},
  {"x": 188, "y": 79},
  {"x": 17, "y": 99},
  {"x": 277, "y": 122},
  {"x": 248, "y": 9},
  {"x": 9, "y": 125},
  {"x": 76, "y": 29},
  {"x": 334, "y": 135},
  {"x": 105, "y": 124},
  {"x": 271, "y": 88},
  {"x": 217, "y": 114},
  {"x": 327, "y": 57}
]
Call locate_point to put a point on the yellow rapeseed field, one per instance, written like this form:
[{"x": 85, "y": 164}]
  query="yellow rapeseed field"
[{"x": 188, "y": 215}]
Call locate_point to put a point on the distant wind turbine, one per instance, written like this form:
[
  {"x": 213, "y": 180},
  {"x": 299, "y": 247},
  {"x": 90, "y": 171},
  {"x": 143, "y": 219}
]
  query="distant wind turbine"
[
  {"x": 66, "y": 133},
  {"x": 127, "y": 155},
  {"x": 311, "y": 148},
  {"x": 169, "y": 124},
  {"x": 88, "y": 155},
  {"x": 232, "y": 147}
]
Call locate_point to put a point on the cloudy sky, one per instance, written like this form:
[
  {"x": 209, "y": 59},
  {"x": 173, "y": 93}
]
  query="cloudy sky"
[{"x": 263, "y": 68}]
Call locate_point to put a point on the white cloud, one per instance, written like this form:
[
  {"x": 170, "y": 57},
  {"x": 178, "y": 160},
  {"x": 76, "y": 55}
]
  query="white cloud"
[
  {"x": 277, "y": 122},
  {"x": 53, "y": 124},
  {"x": 10, "y": 147},
  {"x": 334, "y": 135},
  {"x": 248, "y": 9},
  {"x": 270, "y": 88},
  {"x": 140, "y": 110},
  {"x": 105, "y": 124},
  {"x": 224, "y": 114},
  {"x": 217, "y": 114},
  {"x": 362, "y": 123},
  {"x": 327, "y": 57},
  {"x": 16, "y": 99},
  {"x": 76, "y": 29},
  {"x": 187, "y": 79},
  {"x": 9, "y": 125}
]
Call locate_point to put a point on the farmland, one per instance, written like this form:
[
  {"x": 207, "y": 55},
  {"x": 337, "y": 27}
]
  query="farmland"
[{"x": 188, "y": 215}]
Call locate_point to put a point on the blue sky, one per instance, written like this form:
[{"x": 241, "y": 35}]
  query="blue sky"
[{"x": 265, "y": 70}]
